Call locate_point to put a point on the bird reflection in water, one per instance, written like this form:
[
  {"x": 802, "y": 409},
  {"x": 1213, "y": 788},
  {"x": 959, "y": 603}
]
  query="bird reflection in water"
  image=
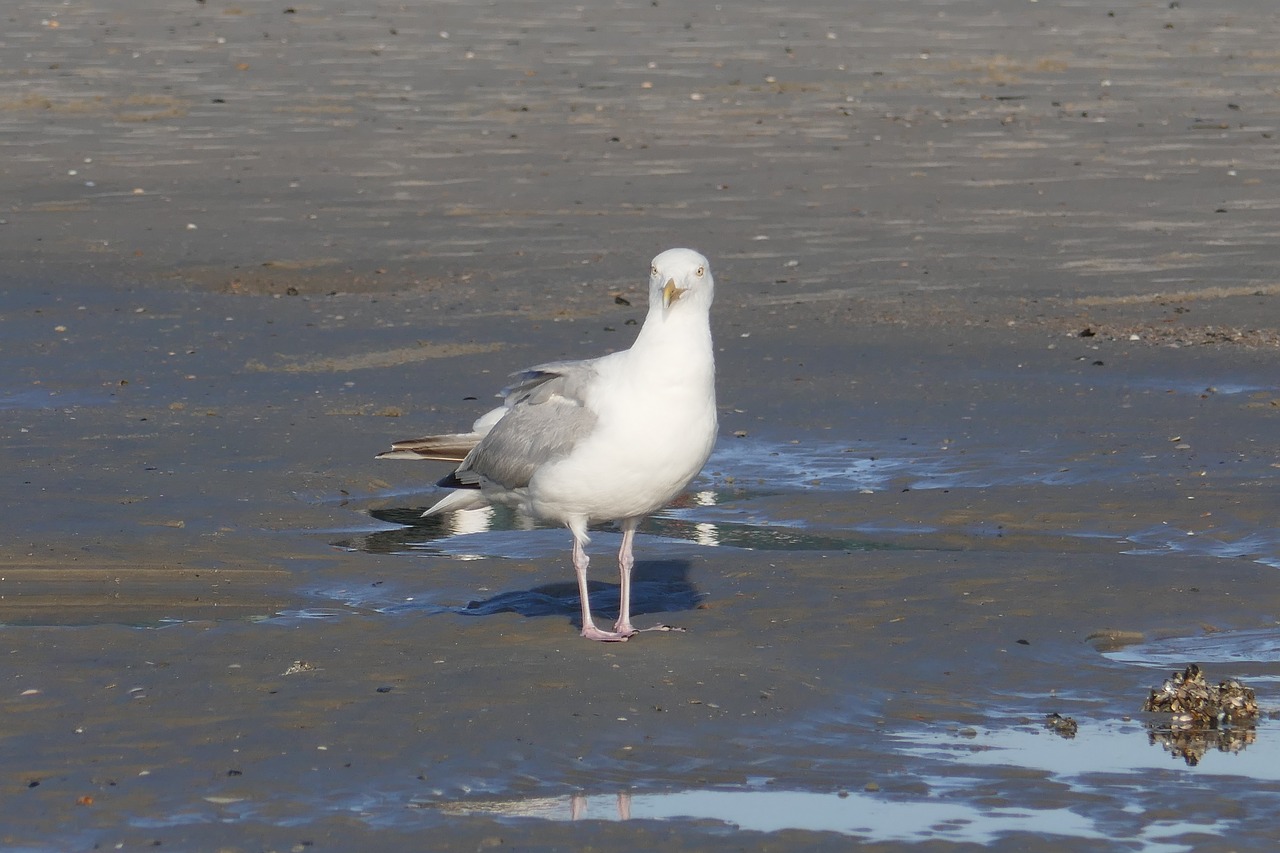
[
  {"x": 576, "y": 806},
  {"x": 686, "y": 518}
]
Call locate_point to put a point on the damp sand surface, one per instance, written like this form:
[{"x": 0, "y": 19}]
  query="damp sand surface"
[{"x": 996, "y": 333}]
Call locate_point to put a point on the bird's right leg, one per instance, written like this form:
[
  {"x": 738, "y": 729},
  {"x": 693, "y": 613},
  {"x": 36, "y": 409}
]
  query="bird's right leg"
[{"x": 589, "y": 629}]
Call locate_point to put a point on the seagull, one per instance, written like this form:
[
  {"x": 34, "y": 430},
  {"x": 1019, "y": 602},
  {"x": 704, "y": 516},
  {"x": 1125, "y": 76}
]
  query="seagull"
[{"x": 608, "y": 439}]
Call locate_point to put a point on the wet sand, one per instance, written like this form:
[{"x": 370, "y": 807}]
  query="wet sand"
[{"x": 997, "y": 336}]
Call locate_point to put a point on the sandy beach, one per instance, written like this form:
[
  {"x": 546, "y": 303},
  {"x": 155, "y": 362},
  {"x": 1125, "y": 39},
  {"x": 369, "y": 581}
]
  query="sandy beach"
[{"x": 998, "y": 346}]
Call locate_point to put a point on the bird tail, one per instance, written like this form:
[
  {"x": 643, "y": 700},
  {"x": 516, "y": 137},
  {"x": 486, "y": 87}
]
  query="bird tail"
[
  {"x": 453, "y": 447},
  {"x": 461, "y": 499}
]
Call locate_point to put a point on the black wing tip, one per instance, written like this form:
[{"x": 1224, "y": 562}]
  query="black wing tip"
[{"x": 451, "y": 481}]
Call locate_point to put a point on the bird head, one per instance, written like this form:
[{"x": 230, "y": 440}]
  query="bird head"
[{"x": 680, "y": 276}]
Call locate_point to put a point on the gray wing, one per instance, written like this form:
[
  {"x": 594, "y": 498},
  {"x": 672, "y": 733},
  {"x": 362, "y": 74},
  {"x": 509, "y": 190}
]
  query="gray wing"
[
  {"x": 548, "y": 417},
  {"x": 568, "y": 379}
]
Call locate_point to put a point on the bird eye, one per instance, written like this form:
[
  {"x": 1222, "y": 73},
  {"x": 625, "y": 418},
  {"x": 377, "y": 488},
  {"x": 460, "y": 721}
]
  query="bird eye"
[
  {"x": 699, "y": 271},
  {"x": 653, "y": 270}
]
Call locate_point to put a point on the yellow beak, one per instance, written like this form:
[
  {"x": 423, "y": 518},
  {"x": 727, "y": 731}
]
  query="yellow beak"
[{"x": 670, "y": 293}]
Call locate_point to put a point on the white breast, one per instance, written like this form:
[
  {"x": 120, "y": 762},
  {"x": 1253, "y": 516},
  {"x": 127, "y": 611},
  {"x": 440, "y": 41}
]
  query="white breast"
[{"x": 653, "y": 436}]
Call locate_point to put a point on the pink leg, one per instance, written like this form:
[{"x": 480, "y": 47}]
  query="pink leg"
[
  {"x": 577, "y": 807},
  {"x": 625, "y": 563},
  {"x": 589, "y": 629}
]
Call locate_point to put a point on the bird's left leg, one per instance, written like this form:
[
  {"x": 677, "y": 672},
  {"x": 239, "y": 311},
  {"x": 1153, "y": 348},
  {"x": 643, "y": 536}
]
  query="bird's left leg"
[{"x": 625, "y": 563}]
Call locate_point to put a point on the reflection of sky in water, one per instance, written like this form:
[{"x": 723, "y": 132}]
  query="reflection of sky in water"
[
  {"x": 927, "y": 464},
  {"x": 1096, "y": 748},
  {"x": 806, "y": 465},
  {"x": 720, "y": 510},
  {"x": 1111, "y": 762},
  {"x": 1262, "y": 546},
  {"x": 922, "y": 465},
  {"x": 1241, "y": 651},
  {"x": 872, "y": 816},
  {"x": 1196, "y": 388},
  {"x": 779, "y": 467}
]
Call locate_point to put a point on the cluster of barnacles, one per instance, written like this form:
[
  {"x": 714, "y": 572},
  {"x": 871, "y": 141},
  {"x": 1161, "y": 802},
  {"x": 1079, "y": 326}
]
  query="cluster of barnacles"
[
  {"x": 1197, "y": 704},
  {"x": 1205, "y": 716}
]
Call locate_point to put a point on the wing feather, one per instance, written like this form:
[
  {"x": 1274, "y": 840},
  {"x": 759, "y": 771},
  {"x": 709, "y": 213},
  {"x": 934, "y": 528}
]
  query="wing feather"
[
  {"x": 528, "y": 437},
  {"x": 545, "y": 413},
  {"x": 453, "y": 447}
]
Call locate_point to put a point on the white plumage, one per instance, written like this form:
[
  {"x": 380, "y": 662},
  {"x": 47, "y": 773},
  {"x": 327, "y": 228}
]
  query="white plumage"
[{"x": 613, "y": 438}]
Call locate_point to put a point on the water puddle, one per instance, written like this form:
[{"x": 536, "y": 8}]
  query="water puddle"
[
  {"x": 505, "y": 533},
  {"x": 735, "y": 504},
  {"x": 868, "y": 815},
  {"x": 1201, "y": 388},
  {"x": 917, "y": 464},
  {"x": 1261, "y": 546},
  {"x": 1249, "y": 655},
  {"x": 852, "y": 467},
  {"x": 1131, "y": 748}
]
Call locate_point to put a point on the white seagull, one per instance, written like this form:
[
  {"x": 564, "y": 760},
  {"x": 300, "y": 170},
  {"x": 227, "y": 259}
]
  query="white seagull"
[{"x": 613, "y": 438}]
